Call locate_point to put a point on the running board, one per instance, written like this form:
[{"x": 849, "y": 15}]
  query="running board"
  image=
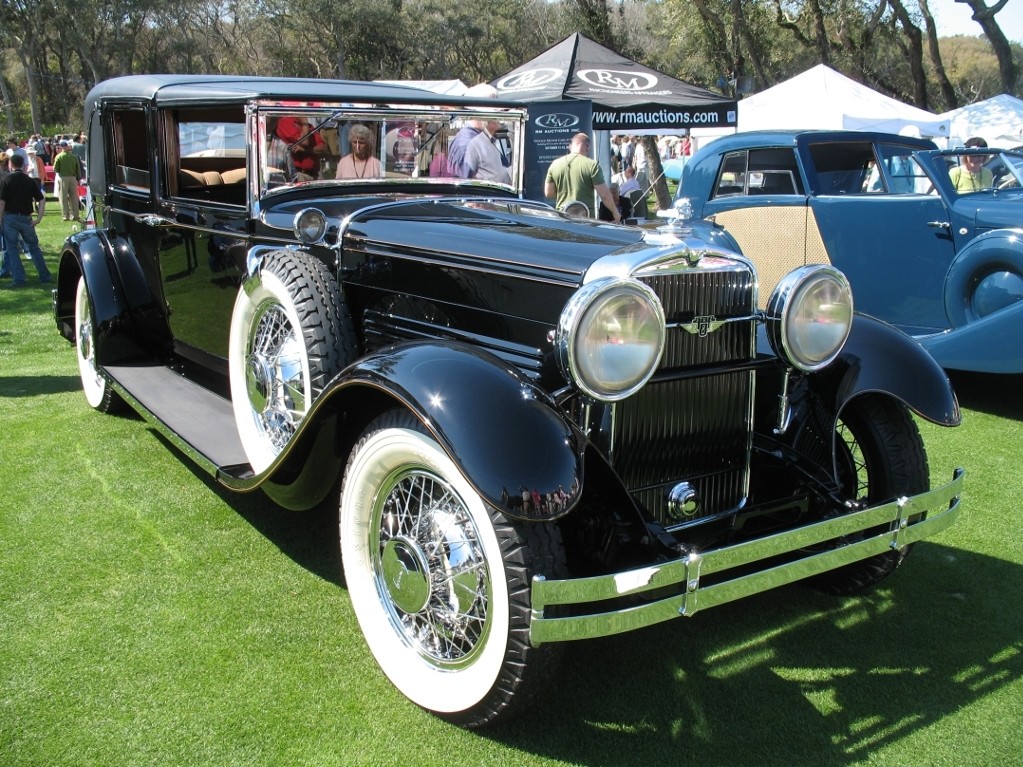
[{"x": 197, "y": 421}]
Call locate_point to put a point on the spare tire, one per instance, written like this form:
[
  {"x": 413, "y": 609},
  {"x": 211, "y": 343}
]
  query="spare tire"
[{"x": 291, "y": 333}]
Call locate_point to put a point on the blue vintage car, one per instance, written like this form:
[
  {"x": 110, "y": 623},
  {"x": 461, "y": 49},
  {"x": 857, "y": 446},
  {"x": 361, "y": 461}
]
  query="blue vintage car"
[{"x": 942, "y": 264}]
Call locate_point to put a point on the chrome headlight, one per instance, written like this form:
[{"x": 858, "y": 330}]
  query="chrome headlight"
[
  {"x": 310, "y": 225},
  {"x": 610, "y": 337},
  {"x": 809, "y": 316}
]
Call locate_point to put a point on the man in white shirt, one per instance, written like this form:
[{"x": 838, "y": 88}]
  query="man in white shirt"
[{"x": 628, "y": 182}]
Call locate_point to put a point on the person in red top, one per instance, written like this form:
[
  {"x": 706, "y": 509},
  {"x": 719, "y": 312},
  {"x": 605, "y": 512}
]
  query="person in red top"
[{"x": 307, "y": 150}]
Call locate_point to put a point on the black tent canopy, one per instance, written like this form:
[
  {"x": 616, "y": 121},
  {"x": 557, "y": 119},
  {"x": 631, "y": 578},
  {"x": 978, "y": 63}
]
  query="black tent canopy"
[{"x": 627, "y": 97}]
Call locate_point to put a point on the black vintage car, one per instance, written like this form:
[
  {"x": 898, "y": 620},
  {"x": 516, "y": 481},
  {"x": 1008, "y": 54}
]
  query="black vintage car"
[{"x": 534, "y": 428}]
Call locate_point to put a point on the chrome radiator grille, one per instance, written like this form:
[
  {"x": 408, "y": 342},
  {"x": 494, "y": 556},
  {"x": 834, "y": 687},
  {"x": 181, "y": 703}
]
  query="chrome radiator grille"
[
  {"x": 695, "y": 298},
  {"x": 694, "y": 429}
]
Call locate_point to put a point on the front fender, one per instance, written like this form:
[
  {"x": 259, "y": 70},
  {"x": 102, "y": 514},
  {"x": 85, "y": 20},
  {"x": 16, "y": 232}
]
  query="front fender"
[
  {"x": 879, "y": 358},
  {"x": 504, "y": 432}
]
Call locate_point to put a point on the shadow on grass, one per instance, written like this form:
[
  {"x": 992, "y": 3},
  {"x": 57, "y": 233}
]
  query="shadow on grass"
[
  {"x": 308, "y": 538},
  {"x": 791, "y": 677},
  {"x": 732, "y": 686},
  {"x": 33, "y": 386},
  {"x": 1000, "y": 395}
]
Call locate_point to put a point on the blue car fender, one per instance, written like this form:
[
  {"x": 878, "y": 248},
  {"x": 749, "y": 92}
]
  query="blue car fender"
[
  {"x": 986, "y": 277},
  {"x": 504, "y": 432}
]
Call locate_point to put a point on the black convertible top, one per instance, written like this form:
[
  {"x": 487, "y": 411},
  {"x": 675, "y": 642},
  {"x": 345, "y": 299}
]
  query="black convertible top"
[{"x": 171, "y": 90}]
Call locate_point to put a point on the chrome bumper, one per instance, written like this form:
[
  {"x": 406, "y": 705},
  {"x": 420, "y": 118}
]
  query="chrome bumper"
[{"x": 691, "y": 568}]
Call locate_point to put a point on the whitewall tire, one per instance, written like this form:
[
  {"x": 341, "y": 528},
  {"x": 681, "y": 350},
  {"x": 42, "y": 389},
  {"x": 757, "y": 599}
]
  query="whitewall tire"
[
  {"x": 290, "y": 334},
  {"x": 439, "y": 581},
  {"x": 98, "y": 392}
]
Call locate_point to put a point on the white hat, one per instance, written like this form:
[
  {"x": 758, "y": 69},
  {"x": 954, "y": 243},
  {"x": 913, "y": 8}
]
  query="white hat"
[{"x": 31, "y": 150}]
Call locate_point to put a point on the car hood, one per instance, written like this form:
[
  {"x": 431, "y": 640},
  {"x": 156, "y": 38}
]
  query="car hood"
[
  {"x": 992, "y": 211},
  {"x": 507, "y": 230}
]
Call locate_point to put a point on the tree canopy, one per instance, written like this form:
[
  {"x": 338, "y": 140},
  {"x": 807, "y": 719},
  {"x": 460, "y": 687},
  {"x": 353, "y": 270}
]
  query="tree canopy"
[{"x": 57, "y": 50}]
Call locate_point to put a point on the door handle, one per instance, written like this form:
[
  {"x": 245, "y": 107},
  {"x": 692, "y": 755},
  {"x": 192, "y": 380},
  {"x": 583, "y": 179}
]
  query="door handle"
[
  {"x": 939, "y": 224},
  {"x": 157, "y": 221}
]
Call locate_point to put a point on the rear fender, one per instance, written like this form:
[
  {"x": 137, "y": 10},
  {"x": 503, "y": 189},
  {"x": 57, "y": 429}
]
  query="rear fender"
[
  {"x": 117, "y": 289},
  {"x": 86, "y": 255},
  {"x": 992, "y": 344},
  {"x": 986, "y": 277}
]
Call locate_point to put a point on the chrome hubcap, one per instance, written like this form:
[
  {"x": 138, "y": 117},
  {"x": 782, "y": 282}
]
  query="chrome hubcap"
[
  {"x": 275, "y": 376},
  {"x": 431, "y": 570}
]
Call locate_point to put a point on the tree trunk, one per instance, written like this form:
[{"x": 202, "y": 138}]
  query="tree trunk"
[
  {"x": 944, "y": 84},
  {"x": 655, "y": 173},
  {"x": 985, "y": 16}
]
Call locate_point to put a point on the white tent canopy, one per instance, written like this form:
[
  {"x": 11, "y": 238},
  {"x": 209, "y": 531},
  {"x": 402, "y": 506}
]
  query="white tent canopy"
[
  {"x": 998, "y": 120},
  {"x": 822, "y": 98}
]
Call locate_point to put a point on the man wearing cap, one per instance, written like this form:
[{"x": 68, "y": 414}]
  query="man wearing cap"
[{"x": 67, "y": 168}]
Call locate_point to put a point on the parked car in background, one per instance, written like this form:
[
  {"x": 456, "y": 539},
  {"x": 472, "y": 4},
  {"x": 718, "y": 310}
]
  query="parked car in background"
[
  {"x": 945, "y": 266},
  {"x": 533, "y": 429}
]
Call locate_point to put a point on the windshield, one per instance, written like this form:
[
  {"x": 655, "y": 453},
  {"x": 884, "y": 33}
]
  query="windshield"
[
  {"x": 977, "y": 170},
  {"x": 356, "y": 146}
]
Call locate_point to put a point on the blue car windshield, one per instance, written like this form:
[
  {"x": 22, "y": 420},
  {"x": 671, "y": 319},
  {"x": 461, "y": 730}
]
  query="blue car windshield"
[{"x": 973, "y": 170}]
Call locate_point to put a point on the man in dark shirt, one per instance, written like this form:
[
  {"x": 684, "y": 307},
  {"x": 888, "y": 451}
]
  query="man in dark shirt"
[{"x": 20, "y": 197}]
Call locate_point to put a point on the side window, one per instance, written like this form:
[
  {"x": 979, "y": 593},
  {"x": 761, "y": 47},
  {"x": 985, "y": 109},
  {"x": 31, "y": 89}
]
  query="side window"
[
  {"x": 731, "y": 175},
  {"x": 759, "y": 171},
  {"x": 205, "y": 154},
  {"x": 899, "y": 172},
  {"x": 843, "y": 168},
  {"x": 773, "y": 171},
  {"x": 130, "y": 150}
]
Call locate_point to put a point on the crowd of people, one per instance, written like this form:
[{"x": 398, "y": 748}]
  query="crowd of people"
[{"x": 23, "y": 178}]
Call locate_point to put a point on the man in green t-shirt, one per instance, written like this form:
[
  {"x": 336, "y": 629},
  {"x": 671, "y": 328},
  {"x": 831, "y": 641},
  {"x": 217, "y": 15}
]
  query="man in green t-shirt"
[
  {"x": 67, "y": 168},
  {"x": 576, "y": 178}
]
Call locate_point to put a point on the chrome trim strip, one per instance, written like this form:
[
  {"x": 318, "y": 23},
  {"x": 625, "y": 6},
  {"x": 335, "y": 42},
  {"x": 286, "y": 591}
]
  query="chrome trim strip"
[
  {"x": 649, "y": 257},
  {"x": 688, "y": 571}
]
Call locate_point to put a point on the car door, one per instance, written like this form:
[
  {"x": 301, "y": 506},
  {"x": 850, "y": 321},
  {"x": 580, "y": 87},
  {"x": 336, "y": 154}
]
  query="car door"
[
  {"x": 204, "y": 229},
  {"x": 882, "y": 224}
]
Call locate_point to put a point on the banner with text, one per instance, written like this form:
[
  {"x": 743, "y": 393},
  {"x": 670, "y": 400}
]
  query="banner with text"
[{"x": 551, "y": 127}]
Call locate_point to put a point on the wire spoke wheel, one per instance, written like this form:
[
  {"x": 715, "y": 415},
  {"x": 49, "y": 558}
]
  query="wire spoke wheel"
[
  {"x": 431, "y": 569},
  {"x": 879, "y": 456},
  {"x": 439, "y": 579},
  {"x": 290, "y": 335},
  {"x": 275, "y": 375}
]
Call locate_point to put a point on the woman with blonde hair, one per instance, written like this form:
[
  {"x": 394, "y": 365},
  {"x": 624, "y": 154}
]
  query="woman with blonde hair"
[{"x": 360, "y": 162}]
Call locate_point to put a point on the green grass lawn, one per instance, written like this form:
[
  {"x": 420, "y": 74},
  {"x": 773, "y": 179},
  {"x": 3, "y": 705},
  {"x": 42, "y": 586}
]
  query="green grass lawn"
[{"x": 148, "y": 617}]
